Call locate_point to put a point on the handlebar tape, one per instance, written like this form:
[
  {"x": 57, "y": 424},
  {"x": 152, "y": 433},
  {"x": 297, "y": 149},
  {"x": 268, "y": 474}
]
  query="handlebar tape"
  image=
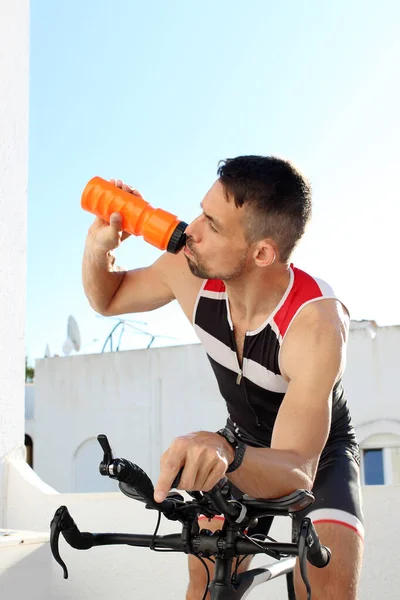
[
  {"x": 134, "y": 476},
  {"x": 74, "y": 537}
]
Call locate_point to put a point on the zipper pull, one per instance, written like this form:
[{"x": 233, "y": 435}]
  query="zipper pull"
[{"x": 239, "y": 377}]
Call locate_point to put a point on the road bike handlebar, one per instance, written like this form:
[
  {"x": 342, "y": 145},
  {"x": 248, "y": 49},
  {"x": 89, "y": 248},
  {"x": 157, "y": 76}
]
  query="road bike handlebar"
[
  {"x": 132, "y": 475},
  {"x": 239, "y": 514},
  {"x": 202, "y": 543}
]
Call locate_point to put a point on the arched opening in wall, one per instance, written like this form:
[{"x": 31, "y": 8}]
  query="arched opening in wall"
[
  {"x": 29, "y": 450},
  {"x": 380, "y": 459}
]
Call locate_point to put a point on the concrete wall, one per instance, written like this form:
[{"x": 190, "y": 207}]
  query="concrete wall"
[
  {"x": 25, "y": 566},
  {"x": 142, "y": 399},
  {"x": 14, "y": 72},
  {"x": 371, "y": 378}
]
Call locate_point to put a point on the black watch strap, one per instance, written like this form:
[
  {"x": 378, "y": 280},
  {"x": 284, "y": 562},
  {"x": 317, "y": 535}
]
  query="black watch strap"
[{"x": 237, "y": 445}]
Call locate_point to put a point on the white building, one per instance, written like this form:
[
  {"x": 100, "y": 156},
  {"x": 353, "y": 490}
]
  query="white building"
[
  {"x": 374, "y": 398},
  {"x": 27, "y": 503},
  {"x": 142, "y": 399}
]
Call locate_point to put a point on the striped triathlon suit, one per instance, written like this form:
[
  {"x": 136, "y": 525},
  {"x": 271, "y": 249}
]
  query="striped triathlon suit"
[{"x": 254, "y": 393}]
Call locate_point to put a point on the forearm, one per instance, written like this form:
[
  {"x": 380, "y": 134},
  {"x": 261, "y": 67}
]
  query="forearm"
[
  {"x": 269, "y": 473},
  {"x": 101, "y": 278}
]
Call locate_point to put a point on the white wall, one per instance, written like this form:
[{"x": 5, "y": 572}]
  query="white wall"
[
  {"x": 25, "y": 567},
  {"x": 142, "y": 399},
  {"x": 371, "y": 379},
  {"x": 14, "y": 77}
]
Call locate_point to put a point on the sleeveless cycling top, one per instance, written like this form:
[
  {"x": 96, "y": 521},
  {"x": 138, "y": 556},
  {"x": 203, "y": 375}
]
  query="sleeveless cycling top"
[{"x": 254, "y": 393}]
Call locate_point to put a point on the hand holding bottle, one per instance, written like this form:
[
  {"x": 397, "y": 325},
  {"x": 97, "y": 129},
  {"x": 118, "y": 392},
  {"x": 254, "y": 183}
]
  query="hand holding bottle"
[
  {"x": 107, "y": 236},
  {"x": 158, "y": 227}
]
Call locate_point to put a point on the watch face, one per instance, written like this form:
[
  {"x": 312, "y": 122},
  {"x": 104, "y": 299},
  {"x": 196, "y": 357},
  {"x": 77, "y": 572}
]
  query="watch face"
[{"x": 229, "y": 435}]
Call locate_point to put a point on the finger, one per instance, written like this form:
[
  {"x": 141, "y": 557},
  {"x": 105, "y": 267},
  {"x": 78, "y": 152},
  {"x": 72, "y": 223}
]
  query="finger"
[
  {"x": 116, "y": 221},
  {"x": 97, "y": 225},
  {"x": 213, "y": 470},
  {"x": 192, "y": 477},
  {"x": 169, "y": 471},
  {"x": 99, "y": 222},
  {"x": 131, "y": 190},
  {"x": 213, "y": 477}
]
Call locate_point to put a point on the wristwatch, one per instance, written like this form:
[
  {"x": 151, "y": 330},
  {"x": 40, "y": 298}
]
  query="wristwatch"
[{"x": 238, "y": 446}]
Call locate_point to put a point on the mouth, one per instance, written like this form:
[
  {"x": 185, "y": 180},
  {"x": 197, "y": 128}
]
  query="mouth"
[{"x": 187, "y": 251}]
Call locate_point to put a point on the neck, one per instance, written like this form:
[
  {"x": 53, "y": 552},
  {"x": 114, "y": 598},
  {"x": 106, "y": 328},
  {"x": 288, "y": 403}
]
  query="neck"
[{"x": 255, "y": 294}]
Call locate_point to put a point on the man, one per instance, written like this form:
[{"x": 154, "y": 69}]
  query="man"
[{"x": 275, "y": 337}]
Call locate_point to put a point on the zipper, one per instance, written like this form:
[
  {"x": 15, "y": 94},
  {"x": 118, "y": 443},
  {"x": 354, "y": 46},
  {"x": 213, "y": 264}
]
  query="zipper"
[
  {"x": 240, "y": 377},
  {"x": 240, "y": 371}
]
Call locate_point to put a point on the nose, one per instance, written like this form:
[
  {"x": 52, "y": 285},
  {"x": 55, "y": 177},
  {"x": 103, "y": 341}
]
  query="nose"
[{"x": 193, "y": 231}]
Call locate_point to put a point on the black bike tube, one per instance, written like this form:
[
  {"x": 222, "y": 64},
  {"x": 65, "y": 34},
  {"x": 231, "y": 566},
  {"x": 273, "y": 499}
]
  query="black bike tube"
[
  {"x": 172, "y": 541},
  {"x": 221, "y": 587},
  {"x": 290, "y": 586}
]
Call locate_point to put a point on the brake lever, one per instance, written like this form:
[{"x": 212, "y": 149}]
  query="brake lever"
[{"x": 56, "y": 527}]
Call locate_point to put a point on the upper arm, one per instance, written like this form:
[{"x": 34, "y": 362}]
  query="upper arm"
[
  {"x": 312, "y": 358},
  {"x": 145, "y": 289}
]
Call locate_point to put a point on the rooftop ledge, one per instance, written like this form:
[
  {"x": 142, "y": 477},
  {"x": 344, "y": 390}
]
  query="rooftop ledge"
[{"x": 15, "y": 537}]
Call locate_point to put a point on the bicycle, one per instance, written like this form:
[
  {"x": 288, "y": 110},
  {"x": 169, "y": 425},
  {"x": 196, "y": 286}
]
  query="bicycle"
[{"x": 221, "y": 546}]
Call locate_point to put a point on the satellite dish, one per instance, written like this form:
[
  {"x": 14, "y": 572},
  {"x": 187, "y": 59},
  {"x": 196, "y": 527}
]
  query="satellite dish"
[
  {"x": 73, "y": 341},
  {"x": 67, "y": 347},
  {"x": 74, "y": 334}
]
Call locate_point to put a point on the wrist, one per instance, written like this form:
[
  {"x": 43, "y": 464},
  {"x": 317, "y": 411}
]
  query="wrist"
[
  {"x": 237, "y": 449},
  {"x": 228, "y": 450},
  {"x": 100, "y": 256}
]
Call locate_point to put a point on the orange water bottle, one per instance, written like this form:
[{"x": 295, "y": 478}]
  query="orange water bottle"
[{"x": 158, "y": 227}]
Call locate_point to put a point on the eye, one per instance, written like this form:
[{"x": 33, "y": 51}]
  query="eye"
[{"x": 212, "y": 226}]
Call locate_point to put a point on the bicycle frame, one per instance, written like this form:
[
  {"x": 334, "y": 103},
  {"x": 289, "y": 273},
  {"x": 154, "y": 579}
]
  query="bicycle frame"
[{"x": 247, "y": 581}]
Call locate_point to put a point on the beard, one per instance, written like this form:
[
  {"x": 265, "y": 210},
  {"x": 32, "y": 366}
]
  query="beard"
[{"x": 201, "y": 271}]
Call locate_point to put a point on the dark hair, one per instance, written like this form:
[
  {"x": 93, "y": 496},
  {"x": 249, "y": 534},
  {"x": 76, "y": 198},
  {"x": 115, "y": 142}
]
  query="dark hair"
[{"x": 278, "y": 195}]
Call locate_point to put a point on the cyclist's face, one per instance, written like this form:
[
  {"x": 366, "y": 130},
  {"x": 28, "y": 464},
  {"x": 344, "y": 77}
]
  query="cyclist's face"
[{"x": 216, "y": 247}]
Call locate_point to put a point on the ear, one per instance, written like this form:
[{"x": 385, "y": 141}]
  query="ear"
[{"x": 264, "y": 254}]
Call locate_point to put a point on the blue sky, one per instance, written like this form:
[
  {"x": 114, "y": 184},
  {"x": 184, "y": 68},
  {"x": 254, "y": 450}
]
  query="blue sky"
[{"x": 157, "y": 93}]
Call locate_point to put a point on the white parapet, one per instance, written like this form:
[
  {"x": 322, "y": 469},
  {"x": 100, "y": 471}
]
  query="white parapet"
[{"x": 126, "y": 572}]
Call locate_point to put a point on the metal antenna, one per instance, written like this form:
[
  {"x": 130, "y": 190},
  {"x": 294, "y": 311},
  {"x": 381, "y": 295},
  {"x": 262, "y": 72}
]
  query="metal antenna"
[{"x": 123, "y": 324}]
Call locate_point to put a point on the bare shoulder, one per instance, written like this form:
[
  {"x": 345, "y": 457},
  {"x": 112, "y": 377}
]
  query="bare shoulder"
[
  {"x": 319, "y": 332},
  {"x": 322, "y": 315}
]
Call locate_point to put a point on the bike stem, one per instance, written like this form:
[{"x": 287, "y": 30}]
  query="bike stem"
[{"x": 221, "y": 588}]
